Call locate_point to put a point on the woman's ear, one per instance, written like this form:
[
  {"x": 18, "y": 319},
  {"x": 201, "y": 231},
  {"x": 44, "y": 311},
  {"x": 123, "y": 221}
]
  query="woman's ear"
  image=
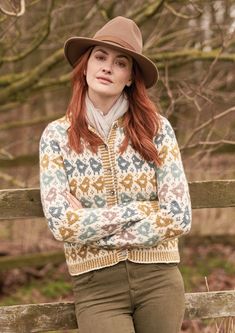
[{"x": 129, "y": 83}]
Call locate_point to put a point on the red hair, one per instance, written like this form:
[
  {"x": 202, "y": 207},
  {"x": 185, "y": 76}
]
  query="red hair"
[{"x": 141, "y": 122}]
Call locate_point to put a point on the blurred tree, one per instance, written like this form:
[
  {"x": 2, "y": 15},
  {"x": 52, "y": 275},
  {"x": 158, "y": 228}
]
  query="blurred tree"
[{"x": 192, "y": 43}]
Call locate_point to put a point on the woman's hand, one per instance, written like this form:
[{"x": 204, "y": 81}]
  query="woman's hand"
[{"x": 74, "y": 202}]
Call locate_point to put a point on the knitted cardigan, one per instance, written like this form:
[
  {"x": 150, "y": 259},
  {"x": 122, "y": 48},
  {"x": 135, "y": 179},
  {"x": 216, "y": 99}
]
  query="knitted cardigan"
[{"x": 132, "y": 209}]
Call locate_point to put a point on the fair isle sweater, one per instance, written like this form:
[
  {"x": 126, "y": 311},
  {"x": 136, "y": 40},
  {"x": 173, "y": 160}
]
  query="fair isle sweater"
[{"x": 132, "y": 209}]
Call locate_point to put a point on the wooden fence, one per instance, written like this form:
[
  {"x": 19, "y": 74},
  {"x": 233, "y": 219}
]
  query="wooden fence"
[{"x": 25, "y": 203}]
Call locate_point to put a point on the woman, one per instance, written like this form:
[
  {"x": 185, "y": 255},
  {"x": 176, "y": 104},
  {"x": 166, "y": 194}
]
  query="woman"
[{"x": 113, "y": 188}]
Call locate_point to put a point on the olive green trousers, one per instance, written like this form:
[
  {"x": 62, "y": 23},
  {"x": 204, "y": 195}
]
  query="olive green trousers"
[{"x": 130, "y": 298}]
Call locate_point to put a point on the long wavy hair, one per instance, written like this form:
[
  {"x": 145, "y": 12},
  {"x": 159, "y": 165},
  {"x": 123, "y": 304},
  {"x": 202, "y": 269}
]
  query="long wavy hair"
[{"x": 141, "y": 122}]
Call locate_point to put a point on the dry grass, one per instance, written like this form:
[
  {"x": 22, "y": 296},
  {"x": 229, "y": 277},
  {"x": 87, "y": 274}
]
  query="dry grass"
[{"x": 220, "y": 325}]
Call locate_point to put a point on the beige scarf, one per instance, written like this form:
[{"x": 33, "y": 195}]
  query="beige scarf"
[{"x": 103, "y": 123}]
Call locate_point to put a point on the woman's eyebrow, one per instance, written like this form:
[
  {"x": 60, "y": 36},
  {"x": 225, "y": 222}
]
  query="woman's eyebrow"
[
  {"x": 123, "y": 56},
  {"x": 101, "y": 50},
  {"x": 127, "y": 58},
  {"x": 118, "y": 56}
]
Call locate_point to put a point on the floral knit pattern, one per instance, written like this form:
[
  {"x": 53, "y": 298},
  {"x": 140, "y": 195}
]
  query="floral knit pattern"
[{"x": 131, "y": 208}]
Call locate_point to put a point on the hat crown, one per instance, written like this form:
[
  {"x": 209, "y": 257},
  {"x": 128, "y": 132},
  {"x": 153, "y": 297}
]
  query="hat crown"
[{"x": 121, "y": 31}]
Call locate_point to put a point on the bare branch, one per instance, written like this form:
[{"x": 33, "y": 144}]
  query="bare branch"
[
  {"x": 41, "y": 37},
  {"x": 32, "y": 77},
  {"x": 7, "y": 79},
  {"x": 107, "y": 12},
  {"x": 16, "y": 14},
  {"x": 209, "y": 144},
  {"x": 191, "y": 99},
  {"x": 12, "y": 180},
  {"x": 31, "y": 122},
  {"x": 192, "y": 55},
  {"x": 7, "y": 28},
  {"x": 207, "y": 123},
  {"x": 39, "y": 86},
  {"x": 165, "y": 81},
  {"x": 9, "y": 106},
  {"x": 5, "y": 154},
  {"x": 147, "y": 12},
  {"x": 174, "y": 12}
]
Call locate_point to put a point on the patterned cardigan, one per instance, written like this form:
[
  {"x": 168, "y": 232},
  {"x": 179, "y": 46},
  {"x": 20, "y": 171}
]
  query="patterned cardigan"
[{"x": 131, "y": 208}]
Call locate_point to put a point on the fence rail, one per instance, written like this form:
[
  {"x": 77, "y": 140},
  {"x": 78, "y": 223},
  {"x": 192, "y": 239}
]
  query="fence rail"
[
  {"x": 59, "y": 316},
  {"x": 25, "y": 203}
]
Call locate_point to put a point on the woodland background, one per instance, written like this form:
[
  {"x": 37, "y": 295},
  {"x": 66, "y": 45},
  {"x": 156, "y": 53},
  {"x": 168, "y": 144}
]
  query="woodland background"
[{"x": 193, "y": 45}]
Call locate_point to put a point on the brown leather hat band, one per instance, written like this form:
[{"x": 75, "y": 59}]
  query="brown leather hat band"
[{"x": 115, "y": 40}]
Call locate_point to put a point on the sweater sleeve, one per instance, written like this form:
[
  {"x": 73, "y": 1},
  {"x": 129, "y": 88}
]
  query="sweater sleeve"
[
  {"x": 171, "y": 216},
  {"x": 85, "y": 225}
]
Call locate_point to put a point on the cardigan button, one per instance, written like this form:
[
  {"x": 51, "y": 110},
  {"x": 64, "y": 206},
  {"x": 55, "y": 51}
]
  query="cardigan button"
[
  {"x": 115, "y": 126},
  {"x": 109, "y": 171},
  {"x": 111, "y": 192}
]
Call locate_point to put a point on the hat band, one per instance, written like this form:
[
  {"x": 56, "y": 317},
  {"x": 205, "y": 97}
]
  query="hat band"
[{"x": 116, "y": 40}]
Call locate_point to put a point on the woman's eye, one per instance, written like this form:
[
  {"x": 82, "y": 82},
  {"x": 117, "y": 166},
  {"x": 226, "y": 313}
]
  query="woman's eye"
[
  {"x": 99, "y": 57},
  {"x": 121, "y": 64}
]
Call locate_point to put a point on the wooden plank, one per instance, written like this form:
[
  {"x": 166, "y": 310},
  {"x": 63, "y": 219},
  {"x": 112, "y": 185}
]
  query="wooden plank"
[
  {"x": 32, "y": 260},
  {"x": 37, "y": 317},
  {"x": 210, "y": 304},
  {"x": 58, "y": 316},
  {"x": 23, "y": 203},
  {"x": 20, "y": 203},
  {"x": 27, "y": 160},
  {"x": 216, "y": 193}
]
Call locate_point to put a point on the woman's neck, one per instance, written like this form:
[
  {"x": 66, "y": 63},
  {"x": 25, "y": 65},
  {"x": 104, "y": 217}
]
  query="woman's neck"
[{"x": 103, "y": 104}]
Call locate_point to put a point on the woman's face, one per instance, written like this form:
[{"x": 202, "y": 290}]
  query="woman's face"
[{"x": 108, "y": 72}]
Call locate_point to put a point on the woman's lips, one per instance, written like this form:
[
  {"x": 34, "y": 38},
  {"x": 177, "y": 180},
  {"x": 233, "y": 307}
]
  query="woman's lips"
[{"x": 104, "y": 79}]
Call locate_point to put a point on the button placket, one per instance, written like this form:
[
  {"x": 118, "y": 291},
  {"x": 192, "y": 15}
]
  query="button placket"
[{"x": 107, "y": 152}]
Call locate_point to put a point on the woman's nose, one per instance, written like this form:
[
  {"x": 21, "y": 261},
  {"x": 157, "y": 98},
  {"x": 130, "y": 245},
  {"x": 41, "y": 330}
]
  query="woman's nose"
[{"x": 107, "y": 68}]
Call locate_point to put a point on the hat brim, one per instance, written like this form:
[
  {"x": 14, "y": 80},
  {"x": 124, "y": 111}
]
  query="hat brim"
[{"x": 74, "y": 47}]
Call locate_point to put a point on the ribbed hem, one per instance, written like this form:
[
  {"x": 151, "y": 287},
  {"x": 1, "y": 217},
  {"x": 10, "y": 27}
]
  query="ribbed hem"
[
  {"x": 153, "y": 256},
  {"x": 137, "y": 256},
  {"x": 91, "y": 264}
]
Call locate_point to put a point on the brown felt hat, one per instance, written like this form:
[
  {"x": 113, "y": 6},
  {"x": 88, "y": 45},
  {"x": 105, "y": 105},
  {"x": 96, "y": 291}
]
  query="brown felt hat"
[{"x": 119, "y": 33}]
